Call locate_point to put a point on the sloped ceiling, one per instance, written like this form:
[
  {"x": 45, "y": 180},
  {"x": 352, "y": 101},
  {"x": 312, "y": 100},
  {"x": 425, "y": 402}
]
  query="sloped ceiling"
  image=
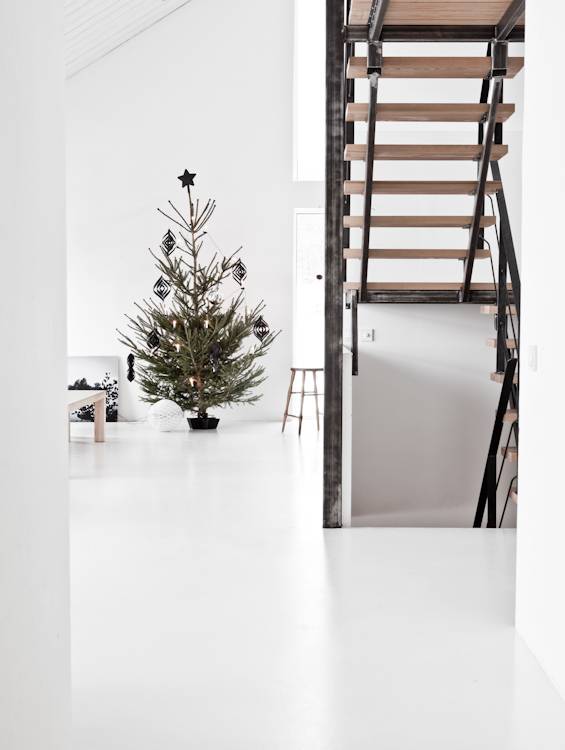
[{"x": 93, "y": 28}]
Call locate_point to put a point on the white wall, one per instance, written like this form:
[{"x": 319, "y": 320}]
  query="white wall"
[
  {"x": 34, "y": 628},
  {"x": 198, "y": 90},
  {"x": 540, "y": 613},
  {"x": 423, "y": 403}
]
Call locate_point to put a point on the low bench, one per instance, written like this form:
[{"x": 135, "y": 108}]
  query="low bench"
[{"x": 76, "y": 399}]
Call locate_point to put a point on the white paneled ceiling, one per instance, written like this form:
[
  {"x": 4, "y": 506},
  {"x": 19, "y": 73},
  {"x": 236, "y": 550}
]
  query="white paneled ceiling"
[{"x": 95, "y": 27}]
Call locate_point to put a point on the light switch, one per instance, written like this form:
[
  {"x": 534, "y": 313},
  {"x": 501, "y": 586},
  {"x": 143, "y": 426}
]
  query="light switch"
[{"x": 367, "y": 335}]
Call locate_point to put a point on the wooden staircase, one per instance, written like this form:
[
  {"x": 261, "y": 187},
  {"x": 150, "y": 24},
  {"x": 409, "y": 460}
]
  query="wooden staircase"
[
  {"x": 357, "y": 186},
  {"x": 374, "y": 112},
  {"x": 487, "y": 115}
]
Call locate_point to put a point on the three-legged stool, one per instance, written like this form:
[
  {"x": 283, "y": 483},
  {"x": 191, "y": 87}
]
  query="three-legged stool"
[{"x": 302, "y": 392}]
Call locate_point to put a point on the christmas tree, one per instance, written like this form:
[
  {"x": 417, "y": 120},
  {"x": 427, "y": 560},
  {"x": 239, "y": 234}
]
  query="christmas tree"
[{"x": 195, "y": 351}]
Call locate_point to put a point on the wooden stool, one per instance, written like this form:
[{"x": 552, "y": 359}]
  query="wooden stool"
[{"x": 302, "y": 392}]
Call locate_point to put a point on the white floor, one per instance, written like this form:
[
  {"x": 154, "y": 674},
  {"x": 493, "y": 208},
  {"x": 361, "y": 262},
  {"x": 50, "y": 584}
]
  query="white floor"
[{"x": 211, "y": 612}]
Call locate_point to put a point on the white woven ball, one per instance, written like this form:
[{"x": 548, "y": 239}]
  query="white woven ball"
[{"x": 164, "y": 416}]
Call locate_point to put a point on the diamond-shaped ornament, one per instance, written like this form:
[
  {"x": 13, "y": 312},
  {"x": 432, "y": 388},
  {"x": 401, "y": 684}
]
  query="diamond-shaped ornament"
[
  {"x": 162, "y": 288},
  {"x": 261, "y": 328},
  {"x": 169, "y": 242},
  {"x": 239, "y": 272},
  {"x": 153, "y": 340},
  {"x": 131, "y": 371}
]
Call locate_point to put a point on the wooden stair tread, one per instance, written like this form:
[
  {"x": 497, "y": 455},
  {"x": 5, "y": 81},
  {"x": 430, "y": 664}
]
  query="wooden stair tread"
[
  {"x": 463, "y": 222},
  {"x": 493, "y": 309},
  {"x": 358, "y": 112},
  {"x": 514, "y": 496},
  {"x": 510, "y": 343},
  {"x": 511, "y": 453},
  {"x": 434, "y": 12},
  {"x": 422, "y": 152},
  {"x": 511, "y": 416},
  {"x": 498, "y": 377},
  {"x": 421, "y": 187},
  {"x": 423, "y": 286},
  {"x": 415, "y": 253},
  {"x": 432, "y": 67}
]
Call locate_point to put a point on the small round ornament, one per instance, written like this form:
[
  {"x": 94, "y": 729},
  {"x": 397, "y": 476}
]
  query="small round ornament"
[{"x": 165, "y": 416}]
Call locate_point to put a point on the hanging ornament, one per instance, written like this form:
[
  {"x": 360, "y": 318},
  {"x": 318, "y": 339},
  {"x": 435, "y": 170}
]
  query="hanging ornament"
[
  {"x": 153, "y": 340},
  {"x": 131, "y": 371},
  {"x": 239, "y": 272},
  {"x": 215, "y": 351},
  {"x": 169, "y": 242},
  {"x": 261, "y": 328},
  {"x": 162, "y": 288}
]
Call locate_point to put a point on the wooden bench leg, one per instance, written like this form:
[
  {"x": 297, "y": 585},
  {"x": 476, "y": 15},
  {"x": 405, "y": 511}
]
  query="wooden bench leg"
[
  {"x": 301, "y": 402},
  {"x": 288, "y": 397},
  {"x": 99, "y": 419},
  {"x": 316, "y": 400}
]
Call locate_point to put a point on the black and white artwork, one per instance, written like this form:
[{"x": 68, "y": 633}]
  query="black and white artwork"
[{"x": 94, "y": 374}]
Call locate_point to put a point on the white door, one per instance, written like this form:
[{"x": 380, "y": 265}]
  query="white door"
[{"x": 308, "y": 323}]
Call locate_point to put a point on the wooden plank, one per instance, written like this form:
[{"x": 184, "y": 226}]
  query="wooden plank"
[
  {"x": 76, "y": 399},
  {"x": 434, "y": 12},
  {"x": 514, "y": 496},
  {"x": 417, "y": 286},
  {"x": 493, "y": 309},
  {"x": 510, "y": 343},
  {"x": 454, "y": 222},
  {"x": 420, "y": 187},
  {"x": 415, "y": 254},
  {"x": 432, "y": 67},
  {"x": 498, "y": 377},
  {"x": 417, "y": 112},
  {"x": 511, "y": 416},
  {"x": 422, "y": 152}
]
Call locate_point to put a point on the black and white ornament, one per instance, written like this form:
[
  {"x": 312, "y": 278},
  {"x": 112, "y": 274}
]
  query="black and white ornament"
[
  {"x": 239, "y": 272},
  {"x": 131, "y": 370},
  {"x": 153, "y": 340},
  {"x": 169, "y": 242},
  {"x": 261, "y": 328},
  {"x": 162, "y": 288}
]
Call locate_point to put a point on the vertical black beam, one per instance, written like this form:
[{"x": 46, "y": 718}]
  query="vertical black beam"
[
  {"x": 333, "y": 366},
  {"x": 354, "y": 334},
  {"x": 506, "y": 239},
  {"x": 349, "y": 136},
  {"x": 368, "y": 194},
  {"x": 485, "y": 88},
  {"x": 374, "y": 65},
  {"x": 502, "y": 311},
  {"x": 491, "y": 492},
  {"x": 486, "y": 492},
  {"x": 480, "y": 194}
]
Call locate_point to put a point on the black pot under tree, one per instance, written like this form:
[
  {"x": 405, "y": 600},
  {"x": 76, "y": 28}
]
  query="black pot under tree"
[{"x": 191, "y": 345}]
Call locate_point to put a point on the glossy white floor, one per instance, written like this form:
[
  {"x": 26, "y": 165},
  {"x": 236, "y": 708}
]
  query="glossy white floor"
[{"x": 211, "y": 612}]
